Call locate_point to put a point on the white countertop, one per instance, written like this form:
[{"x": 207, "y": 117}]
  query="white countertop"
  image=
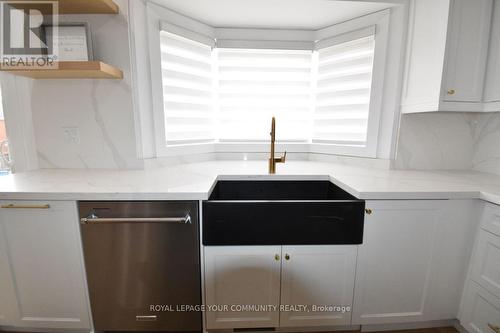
[{"x": 194, "y": 181}]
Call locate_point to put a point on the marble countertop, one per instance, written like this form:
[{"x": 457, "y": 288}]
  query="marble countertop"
[{"x": 194, "y": 181}]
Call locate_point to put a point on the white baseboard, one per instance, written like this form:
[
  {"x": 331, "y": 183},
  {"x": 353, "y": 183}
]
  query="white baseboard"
[
  {"x": 460, "y": 328},
  {"x": 289, "y": 329},
  {"x": 51, "y": 330},
  {"x": 408, "y": 326}
]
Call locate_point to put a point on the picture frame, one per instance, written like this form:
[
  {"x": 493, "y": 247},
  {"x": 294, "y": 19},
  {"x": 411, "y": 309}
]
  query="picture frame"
[{"x": 73, "y": 41}]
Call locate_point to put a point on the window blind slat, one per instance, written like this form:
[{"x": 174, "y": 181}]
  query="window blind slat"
[
  {"x": 255, "y": 85},
  {"x": 239, "y": 92},
  {"x": 343, "y": 92},
  {"x": 187, "y": 89}
]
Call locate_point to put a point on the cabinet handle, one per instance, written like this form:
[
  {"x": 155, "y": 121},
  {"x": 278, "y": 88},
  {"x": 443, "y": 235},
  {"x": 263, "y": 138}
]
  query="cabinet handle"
[
  {"x": 277, "y": 257},
  {"x": 93, "y": 219},
  {"x": 13, "y": 206},
  {"x": 451, "y": 92},
  {"x": 495, "y": 329},
  {"x": 287, "y": 256},
  {"x": 368, "y": 211}
]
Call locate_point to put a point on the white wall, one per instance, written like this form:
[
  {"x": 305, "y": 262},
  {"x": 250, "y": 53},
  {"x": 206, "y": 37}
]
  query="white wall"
[
  {"x": 445, "y": 140},
  {"x": 435, "y": 141},
  {"x": 102, "y": 110},
  {"x": 486, "y": 156}
]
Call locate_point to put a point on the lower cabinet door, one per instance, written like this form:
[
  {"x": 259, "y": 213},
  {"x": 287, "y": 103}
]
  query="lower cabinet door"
[
  {"x": 237, "y": 280},
  {"x": 486, "y": 262},
  {"x": 317, "y": 285},
  {"x": 413, "y": 260},
  {"x": 43, "y": 247},
  {"x": 481, "y": 312},
  {"x": 8, "y": 303}
]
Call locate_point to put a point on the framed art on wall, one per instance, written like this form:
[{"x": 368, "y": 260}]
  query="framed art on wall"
[{"x": 73, "y": 41}]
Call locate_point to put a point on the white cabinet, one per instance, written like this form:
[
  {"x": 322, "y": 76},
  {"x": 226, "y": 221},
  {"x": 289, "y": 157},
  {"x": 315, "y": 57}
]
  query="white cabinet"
[
  {"x": 490, "y": 219},
  {"x": 486, "y": 262},
  {"x": 41, "y": 254},
  {"x": 492, "y": 88},
  {"x": 8, "y": 303},
  {"x": 253, "y": 275},
  {"x": 318, "y": 276},
  {"x": 467, "y": 50},
  {"x": 481, "y": 313},
  {"x": 412, "y": 264},
  {"x": 446, "y": 56},
  {"x": 237, "y": 275}
]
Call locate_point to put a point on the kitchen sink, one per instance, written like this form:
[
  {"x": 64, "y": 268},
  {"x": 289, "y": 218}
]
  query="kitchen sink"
[{"x": 281, "y": 212}]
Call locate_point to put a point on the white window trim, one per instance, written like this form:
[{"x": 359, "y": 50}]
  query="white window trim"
[
  {"x": 156, "y": 16},
  {"x": 351, "y": 29},
  {"x": 19, "y": 122}
]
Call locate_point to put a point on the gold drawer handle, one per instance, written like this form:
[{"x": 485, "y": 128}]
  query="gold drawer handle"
[
  {"x": 277, "y": 257},
  {"x": 368, "y": 211},
  {"x": 287, "y": 256},
  {"x": 451, "y": 92},
  {"x": 495, "y": 329},
  {"x": 13, "y": 206}
]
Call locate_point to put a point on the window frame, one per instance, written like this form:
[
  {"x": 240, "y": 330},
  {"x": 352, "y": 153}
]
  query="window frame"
[
  {"x": 157, "y": 18},
  {"x": 348, "y": 31}
]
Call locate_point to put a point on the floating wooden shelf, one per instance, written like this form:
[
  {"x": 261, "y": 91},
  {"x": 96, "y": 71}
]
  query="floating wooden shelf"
[
  {"x": 85, "y": 6},
  {"x": 71, "y": 70}
]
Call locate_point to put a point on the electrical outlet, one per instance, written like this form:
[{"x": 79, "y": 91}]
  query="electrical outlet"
[{"x": 71, "y": 135}]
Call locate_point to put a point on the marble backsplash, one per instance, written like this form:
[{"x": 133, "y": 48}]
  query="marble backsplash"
[
  {"x": 449, "y": 140},
  {"x": 486, "y": 155},
  {"x": 100, "y": 110}
]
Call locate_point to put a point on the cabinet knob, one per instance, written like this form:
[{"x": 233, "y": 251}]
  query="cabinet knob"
[
  {"x": 287, "y": 256},
  {"x": 368, "y": 211},
  {"x": 495, "y": 328},
  {"x": 277, "y": 257},
  {"x": 451, "y": 92}
]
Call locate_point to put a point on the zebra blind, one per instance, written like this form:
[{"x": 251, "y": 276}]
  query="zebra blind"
[
  {"x": 343, "y": 90},
  {"x": 187, "y": 89},
  {"x": 257, "y": 84}
]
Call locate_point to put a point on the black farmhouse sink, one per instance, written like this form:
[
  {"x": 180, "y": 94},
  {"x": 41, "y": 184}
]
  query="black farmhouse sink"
[{"x": 281, "y": 212}]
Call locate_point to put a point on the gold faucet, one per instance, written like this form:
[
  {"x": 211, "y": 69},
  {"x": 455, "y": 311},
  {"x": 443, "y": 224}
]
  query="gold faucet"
[{"x": 272, "y": 159}]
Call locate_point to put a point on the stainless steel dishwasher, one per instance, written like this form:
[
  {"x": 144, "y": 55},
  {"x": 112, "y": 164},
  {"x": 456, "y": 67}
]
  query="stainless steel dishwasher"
[{"x": 143, "y": 265}]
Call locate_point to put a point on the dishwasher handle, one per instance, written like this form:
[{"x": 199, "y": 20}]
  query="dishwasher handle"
[{"x": 94, "y": 219}]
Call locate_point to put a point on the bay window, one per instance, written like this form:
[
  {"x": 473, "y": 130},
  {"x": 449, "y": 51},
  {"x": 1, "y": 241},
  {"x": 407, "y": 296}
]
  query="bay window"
[
  {"x": 187, "y": 90},
  {"x": 343, "y": 92},
  {"x": 253, "y": 85},
  {"x": 325, "y": 93}
]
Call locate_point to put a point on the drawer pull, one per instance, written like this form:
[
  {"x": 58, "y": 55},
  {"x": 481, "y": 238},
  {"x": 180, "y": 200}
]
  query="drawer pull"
[
  {"x": 94, "y": 219},
  {"x": 13, "y": 206},
  {"x": 495, "y": 329},
  {"x": 287, "y": 256},
  {"x": 146, "y": 318},
  {"x": 277, "y": 257},
  {"x": 368, "y": 211}
]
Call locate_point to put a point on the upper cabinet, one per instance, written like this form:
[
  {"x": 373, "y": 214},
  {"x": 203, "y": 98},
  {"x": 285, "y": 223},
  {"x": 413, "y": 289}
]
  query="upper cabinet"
[
  {"x": 492, "y": 87},
  {"x": 448, "y": 43}
]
